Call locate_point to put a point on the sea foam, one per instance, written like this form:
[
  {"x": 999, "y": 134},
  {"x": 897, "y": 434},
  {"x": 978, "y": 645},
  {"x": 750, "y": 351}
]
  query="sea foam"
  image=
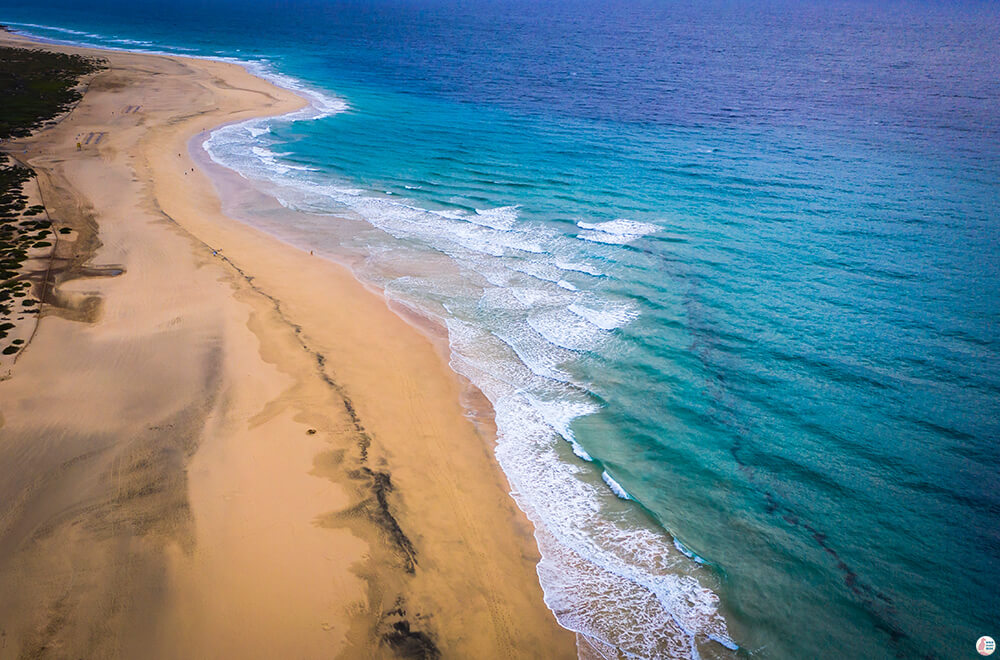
[
  {"x": 615, "y": 487},
  {"x": 616, "y": 232}
]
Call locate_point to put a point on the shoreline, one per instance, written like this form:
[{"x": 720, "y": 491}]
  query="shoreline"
[
  {"x": 247, "y": 349},
  {"x": 476, "y": 404}
]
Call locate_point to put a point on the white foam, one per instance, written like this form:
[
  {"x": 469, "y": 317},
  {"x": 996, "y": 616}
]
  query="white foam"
[
  {"x": 502, "y": 218},
  {"x": 559, "y": 413},
  {"x": 617, "y": 585},
  {"x": 50, "y": 28},
  {"x": 533, "y": 297},
  {"x": 687, "y": 552},
  {"x": 609, "y": 316},
  {"x": 540, "y": 356},
  {"x": 541, "y": 270},
  {"x": 615, "y": 232},
  {"x": 585, "y": 268},
  {"x": 133, "y": 42},
  {"x": 321, "y": 104},
  {"x": 594, "y": 572},
  {"x": 563, "y": 328},
  {"x": 615, "y": 487},
  {"x": 581, "y": 452},
  {"x": 496, "y": 298}
]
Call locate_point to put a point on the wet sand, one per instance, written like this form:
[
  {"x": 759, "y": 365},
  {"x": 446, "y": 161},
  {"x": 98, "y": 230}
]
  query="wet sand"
[{"x": 217, "y": 445}]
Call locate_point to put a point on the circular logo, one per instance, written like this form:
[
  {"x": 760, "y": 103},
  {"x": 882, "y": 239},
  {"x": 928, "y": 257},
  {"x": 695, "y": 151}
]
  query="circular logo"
[{"x": 985, "y": 645}]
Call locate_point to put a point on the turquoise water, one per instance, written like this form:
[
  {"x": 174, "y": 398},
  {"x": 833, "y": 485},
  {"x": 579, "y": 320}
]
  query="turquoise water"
[{"x": 728, "y": 273}]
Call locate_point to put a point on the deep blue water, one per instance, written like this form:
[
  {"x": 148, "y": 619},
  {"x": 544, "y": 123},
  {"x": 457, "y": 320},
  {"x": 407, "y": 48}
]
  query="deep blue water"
[{"x": 741, "y": 256}]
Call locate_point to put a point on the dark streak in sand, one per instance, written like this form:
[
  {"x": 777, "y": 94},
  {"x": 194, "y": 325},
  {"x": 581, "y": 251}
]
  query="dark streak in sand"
[
  {"x": 410, "y": 644},
  {"x": 157, "y": 489},
  {"x": 404, "y": 641}
]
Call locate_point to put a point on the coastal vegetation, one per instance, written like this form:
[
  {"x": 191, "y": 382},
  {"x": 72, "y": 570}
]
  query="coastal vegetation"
[{"x": 37, "y": 86}]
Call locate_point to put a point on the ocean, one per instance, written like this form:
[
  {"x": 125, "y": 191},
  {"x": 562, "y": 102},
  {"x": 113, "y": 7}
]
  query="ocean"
[{"x": 729, "y": 273}]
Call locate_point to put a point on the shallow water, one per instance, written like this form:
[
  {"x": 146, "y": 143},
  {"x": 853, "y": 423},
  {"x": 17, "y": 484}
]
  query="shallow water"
[{"x": 727, "y": 273}]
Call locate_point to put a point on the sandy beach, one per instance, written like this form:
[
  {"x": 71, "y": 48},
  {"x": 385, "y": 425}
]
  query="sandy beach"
[{"x": 217, "y": 445}]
